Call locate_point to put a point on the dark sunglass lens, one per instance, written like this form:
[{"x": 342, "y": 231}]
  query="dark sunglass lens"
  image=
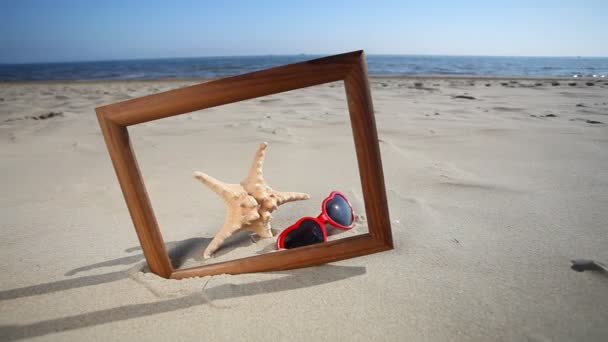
[
  {"x": 309, "y": 232},
  {"x": 338, "y": 210}
]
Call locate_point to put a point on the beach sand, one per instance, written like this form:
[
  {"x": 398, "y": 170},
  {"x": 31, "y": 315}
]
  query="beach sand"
[{"x": 493, "y": 186}]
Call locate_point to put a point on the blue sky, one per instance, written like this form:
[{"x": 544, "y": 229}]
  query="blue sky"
[{"x": 70, "y": 30}]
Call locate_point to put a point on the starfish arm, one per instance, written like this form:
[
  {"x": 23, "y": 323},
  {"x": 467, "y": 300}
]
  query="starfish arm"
[
  {"x": 218, "y": 239},
  {"x": 232, "y": 224},
  {"x": 215, "y": 185},
  {"x": 256, "y": 172},
  {"x": 228, "y": 192},
  {"x": 261, "y": 226},
  {"x": 284, "y": 197},
  {"x": 241, "y": 209}
]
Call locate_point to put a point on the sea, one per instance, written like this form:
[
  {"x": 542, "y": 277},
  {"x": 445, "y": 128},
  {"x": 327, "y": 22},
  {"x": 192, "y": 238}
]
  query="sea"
[{"x": 211, "y": 67}]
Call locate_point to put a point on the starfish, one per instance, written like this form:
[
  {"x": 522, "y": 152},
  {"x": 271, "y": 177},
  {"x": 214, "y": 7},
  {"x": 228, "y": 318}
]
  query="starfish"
[
  {"x": 249, "y": 204},
  {"x": 241, "y": 209}
]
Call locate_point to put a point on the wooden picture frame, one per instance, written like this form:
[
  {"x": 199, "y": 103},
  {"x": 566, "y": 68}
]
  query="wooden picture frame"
[{"x": 351, "y": 68}]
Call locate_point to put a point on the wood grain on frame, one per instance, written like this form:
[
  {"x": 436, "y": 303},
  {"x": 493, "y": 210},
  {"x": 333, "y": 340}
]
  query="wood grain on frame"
[{"x": 349, "y": 67}]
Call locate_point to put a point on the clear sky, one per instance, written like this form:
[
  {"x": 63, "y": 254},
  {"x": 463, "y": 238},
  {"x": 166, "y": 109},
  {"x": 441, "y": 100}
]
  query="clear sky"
[{"x": 73, "y": 30}]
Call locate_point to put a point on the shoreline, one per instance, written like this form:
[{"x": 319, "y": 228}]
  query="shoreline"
[{"x": 371, "y": 77}]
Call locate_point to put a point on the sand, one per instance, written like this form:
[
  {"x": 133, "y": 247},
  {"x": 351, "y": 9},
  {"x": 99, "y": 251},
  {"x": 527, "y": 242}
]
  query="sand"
[{"x": 494, "y": 185}]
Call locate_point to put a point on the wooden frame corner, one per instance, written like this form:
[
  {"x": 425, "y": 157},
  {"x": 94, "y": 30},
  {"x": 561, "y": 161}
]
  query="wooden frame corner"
[{"x": 348, "y": 67}]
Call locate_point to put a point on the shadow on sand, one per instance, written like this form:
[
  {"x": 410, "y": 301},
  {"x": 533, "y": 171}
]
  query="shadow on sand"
[{"x": 179, "y": 252}]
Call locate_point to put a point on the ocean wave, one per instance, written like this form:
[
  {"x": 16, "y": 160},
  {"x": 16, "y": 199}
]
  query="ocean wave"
[{"x": 377, "y": 64}]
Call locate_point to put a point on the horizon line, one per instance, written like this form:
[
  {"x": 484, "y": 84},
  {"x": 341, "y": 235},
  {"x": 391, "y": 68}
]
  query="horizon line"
[{"x": 296, "y": 55}]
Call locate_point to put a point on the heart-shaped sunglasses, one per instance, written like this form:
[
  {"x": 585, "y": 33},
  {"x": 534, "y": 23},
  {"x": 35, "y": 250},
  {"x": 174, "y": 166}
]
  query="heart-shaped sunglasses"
[{"x": 335, "y": 210}]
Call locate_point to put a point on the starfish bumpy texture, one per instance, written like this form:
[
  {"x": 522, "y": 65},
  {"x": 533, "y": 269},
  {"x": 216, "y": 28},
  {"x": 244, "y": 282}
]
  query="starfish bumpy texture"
[{"x": 248, "y": 204}]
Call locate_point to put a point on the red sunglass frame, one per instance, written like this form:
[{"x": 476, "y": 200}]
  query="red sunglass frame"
[{"x": 322, "y": 219}]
